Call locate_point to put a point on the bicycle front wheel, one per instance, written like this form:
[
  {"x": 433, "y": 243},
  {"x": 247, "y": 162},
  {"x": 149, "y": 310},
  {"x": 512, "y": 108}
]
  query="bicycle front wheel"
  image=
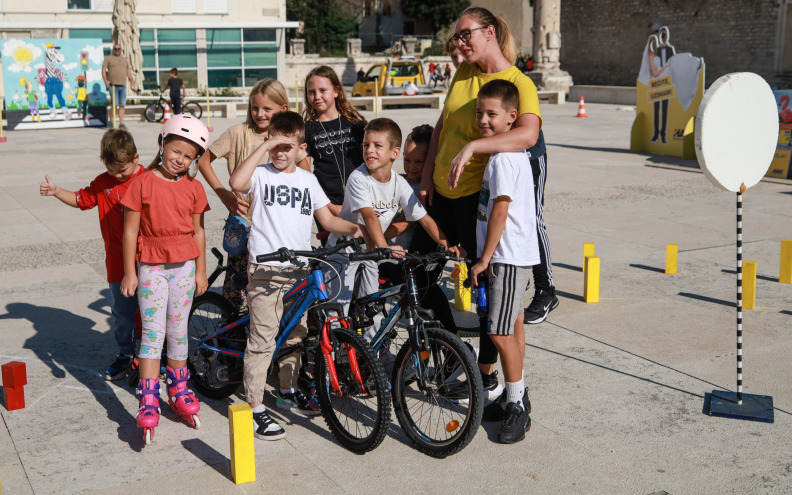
[
  {"x": 210, "y": 370},
  {"x": 193, "y": 109},
  {"x": 154, "y": 112},
  {"x": 358, "y": 414},
  {"x": 442, "y": 416}
]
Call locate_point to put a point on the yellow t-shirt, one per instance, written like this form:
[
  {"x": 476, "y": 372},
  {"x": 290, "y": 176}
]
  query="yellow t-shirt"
[{"x": 459, "y": 124}]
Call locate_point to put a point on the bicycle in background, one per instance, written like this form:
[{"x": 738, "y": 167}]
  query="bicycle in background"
[{"x": 156, "y": 111}]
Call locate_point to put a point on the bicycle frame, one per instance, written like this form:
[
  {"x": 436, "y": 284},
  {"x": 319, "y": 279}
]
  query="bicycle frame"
[
  {"x": 407, "y": 293},
  {"x": 304, "y": 294}
]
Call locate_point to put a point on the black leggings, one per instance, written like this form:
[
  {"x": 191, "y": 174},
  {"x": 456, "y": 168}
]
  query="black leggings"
[{"x": 457, "y": 219}]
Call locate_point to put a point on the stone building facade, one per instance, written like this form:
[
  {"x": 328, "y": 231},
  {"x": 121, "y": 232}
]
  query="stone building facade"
[{"x": 603, "y": 40}]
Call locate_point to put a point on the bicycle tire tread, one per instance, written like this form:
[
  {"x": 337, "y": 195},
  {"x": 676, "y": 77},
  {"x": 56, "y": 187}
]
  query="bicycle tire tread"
[
  {"x": 383, "y": 419},
  {"x": 476, "y": 400}
]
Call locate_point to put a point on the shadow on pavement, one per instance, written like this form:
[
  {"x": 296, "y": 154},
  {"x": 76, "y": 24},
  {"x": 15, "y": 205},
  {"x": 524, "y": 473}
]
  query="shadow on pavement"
[
  {"x": 646, "y": 267},
  {"x": 68, "y": 343},
  {"x": 699, "y": 297}
]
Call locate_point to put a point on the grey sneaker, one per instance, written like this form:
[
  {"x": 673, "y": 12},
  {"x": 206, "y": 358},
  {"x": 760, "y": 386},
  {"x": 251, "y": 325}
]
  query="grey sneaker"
[
  {"x": 296, "y": 402},
  {"x": 119, "y": 368}
]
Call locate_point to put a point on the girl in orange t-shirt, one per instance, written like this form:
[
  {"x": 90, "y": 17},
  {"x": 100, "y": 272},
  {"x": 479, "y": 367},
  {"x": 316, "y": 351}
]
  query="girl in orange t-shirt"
[{"x": 164, "y": 234}]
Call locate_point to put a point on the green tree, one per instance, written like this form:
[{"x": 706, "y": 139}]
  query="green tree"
[
  {"x": 439, "y": 13},
  {"x": 326, "y": 27}
]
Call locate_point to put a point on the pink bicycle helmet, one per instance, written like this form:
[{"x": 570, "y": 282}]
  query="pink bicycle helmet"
[{"x": 189, "y": 128}]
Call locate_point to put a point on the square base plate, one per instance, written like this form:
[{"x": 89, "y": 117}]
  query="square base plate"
[{"x": 753, "y": 407}]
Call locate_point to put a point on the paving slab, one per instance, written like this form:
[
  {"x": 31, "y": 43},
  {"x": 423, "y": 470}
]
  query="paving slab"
[{"x": 618, "y": 387}]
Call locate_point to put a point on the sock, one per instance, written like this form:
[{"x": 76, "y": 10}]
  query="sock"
[
  {"x": 259, "y": 409},
  {"x": 515, "y": 391}
]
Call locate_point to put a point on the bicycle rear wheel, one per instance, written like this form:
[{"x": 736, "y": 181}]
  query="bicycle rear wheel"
[
  {"x": 442, "y": 417},
  {"x": 154, "y": 112},
  {"x": 209, "y": 370},
  {"x": 358, "y": 417},
  {"x": 193, "y": 109}
]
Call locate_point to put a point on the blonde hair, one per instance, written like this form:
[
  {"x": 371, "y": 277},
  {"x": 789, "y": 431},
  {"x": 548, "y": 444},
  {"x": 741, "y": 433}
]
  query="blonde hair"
[
  {"x": 506, "y": 43},
  {"x": 342, "y": 104},
  {"x": 270, "y": 89}
]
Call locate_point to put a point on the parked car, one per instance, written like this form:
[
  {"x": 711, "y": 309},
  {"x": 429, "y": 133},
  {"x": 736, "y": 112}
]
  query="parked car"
[{"x": 390, "y": 77}]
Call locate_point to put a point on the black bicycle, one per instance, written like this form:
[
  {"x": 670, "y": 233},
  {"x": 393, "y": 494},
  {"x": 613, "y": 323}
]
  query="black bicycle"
[
  {"x": 156, "y": 111},
  {"x": 436, "y": 385}
]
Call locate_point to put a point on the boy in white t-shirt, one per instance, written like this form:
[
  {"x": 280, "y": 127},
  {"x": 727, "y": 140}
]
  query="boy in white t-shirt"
[
  {"x": 507, "y": 248},
  {"x": 285, "y": 200},
  {"x": 374, "y": 195}
]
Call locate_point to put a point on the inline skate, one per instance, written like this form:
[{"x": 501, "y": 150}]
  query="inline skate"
[
  {"x": 147, "y": 392},
  {"x": 181, "y": 399}
]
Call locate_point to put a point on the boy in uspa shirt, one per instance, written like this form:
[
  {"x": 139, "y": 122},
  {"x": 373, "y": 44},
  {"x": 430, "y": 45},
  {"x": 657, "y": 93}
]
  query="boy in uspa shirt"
[
  {"x": 119, "y": 155},
  {"x": 507, "y": 249},
  {"x": 285, "y": 200},
  {"x": 374, "y": 195}
]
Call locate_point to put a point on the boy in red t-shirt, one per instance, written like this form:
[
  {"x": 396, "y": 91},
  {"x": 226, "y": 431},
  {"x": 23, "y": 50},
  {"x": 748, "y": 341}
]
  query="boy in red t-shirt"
[{"x": 119, "y": 155}]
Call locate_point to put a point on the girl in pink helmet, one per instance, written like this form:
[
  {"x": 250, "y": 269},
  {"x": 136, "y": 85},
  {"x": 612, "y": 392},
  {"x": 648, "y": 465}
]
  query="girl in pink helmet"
[{"x": 164, "y": 247}]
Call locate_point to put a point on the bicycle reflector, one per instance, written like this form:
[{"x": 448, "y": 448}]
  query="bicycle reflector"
[{"x": 452, "y": 426}]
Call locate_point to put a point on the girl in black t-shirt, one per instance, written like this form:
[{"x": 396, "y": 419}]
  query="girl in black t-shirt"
[{"x": 333, "y": 132}]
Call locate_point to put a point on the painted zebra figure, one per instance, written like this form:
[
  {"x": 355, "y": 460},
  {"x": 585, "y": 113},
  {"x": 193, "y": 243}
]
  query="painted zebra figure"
[{"x": 53, "y": 85}]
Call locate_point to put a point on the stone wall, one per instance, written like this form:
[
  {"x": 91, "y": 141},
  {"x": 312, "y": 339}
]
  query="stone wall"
[{"x": 603, "y": 40}]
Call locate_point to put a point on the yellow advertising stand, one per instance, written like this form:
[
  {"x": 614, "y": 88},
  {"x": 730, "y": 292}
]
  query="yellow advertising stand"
[{"x": 670, "y": 87}]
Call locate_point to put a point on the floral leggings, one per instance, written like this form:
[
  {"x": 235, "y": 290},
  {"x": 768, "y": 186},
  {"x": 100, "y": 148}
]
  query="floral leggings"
[{"x": 165, "y": 294}]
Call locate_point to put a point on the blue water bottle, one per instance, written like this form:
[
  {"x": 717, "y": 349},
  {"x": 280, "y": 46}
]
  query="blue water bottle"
[{"x": 482, "y": 308}]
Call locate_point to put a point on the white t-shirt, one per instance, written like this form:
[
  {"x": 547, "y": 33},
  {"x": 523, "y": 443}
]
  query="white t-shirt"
[
  {"x": 509, "y": 174},
  {"x": 386, "y": 198},
  {"x": 282, "y": 210},
  {"x": 405, "y": 238}
]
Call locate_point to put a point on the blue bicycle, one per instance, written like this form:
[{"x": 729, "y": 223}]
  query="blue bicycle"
[{"x": 352, "y": 388}]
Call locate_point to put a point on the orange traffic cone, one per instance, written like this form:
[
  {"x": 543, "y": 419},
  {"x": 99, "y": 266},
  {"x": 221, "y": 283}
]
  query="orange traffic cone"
[
  {"x": 167, "y": 115},
  {"x": 581, "y": 109}
]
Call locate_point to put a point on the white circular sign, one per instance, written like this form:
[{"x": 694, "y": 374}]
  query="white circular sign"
[{"x": 737, "y": 130}]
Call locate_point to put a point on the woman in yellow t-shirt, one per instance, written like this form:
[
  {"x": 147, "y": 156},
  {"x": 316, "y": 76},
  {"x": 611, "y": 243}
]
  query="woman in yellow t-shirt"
[{"x": 457, "y": 156}]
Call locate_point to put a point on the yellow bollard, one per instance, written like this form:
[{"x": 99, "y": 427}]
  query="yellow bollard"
[
  {"x": 671, "y": 258},
  {"x": 785, "y": 274},
  {"x": 591, "y": 285},
  {"x": 240, "y": 431},
  {"x": 461, "y": 293},
  {"x": 749, "y": 284},
  {"x": 588, "y": 250}
]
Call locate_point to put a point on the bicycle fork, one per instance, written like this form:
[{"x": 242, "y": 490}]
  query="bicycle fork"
[
  {"x": 327, "y": 353},
  {"x": 418, "y": 338}
]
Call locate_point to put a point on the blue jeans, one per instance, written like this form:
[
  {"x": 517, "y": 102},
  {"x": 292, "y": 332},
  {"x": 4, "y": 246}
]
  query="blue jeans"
[
  {"x": 120, "y": 96},
  {"x": 123, "y": 322}
]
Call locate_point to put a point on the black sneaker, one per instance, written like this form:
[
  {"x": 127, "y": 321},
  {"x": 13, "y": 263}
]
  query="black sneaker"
[
  {"x": 266, "y": 428},
  {"x": 492, "y": 387},
  {"x": 515, "y": 424},
  {"x": 296, "y": 402},
  {"x": 543, "y": 302},
  {"x": 119, "y": 368},
  {"x": 496, "y": 410}
]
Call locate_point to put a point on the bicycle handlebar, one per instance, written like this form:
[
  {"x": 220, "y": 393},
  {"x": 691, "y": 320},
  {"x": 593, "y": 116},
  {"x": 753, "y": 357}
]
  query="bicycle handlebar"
[
  {"x": 380, "y": 254},
  {"x": 284, "y": 254}
]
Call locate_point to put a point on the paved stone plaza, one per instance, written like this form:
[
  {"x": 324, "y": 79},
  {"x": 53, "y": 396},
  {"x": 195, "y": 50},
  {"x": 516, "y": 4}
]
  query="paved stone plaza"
[{"x": 618, "y": 387}]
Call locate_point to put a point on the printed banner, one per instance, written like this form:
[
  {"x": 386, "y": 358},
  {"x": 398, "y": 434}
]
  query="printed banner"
[
  {"x": 670, "y": 87},
  {"x": 53, "y": 83}
]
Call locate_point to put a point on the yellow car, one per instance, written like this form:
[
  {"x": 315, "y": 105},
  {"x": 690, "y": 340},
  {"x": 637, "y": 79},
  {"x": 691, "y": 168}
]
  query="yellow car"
[{"x": 392, "y": 77}]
